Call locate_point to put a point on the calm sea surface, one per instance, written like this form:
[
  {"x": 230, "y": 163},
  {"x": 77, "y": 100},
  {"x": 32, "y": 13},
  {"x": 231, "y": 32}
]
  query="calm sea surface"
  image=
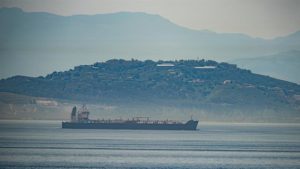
[{"x": 43, "y": 144}]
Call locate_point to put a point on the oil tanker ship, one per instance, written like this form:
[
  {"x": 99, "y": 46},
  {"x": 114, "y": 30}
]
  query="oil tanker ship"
[{"x": 80, "y": 120}]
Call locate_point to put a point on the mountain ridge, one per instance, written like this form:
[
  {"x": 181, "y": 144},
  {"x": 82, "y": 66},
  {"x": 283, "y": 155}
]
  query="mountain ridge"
[
  {"x": 54, "y": 42},
  {"x": 284, "y": 65},
  {"x": 148, "y": 14}
]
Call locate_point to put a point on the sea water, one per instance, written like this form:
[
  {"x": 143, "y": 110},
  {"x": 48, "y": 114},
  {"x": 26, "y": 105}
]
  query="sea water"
[{"x": 44, "y": 144}]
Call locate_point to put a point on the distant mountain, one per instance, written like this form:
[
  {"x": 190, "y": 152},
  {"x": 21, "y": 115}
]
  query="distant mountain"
[
  {"x": 283, "y": 65},
  {"x": 174, "y": 89},
  {"x": 51, "y": 42}
]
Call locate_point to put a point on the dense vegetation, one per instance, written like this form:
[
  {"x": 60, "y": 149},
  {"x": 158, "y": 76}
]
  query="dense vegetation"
[{"x": 134, "y": 80}]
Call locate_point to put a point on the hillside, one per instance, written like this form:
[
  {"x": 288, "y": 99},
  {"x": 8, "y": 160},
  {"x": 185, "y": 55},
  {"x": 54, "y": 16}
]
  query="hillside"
[
  {"x": 52, "y": 42},
  {"x": 283, "y": 65},
  {"x": 207, "y": 89}
]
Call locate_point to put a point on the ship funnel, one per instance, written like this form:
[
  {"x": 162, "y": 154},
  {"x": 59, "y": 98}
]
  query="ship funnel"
[{"x": 74, "y": 114}]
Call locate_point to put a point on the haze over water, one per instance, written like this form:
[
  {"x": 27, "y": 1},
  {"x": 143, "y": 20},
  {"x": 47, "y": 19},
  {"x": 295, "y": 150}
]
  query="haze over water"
[{"x": 43, "y": 144}]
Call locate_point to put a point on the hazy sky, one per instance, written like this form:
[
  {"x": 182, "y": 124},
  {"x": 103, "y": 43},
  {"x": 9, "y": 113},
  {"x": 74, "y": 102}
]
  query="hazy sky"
[{"x": 257, "y": 18}]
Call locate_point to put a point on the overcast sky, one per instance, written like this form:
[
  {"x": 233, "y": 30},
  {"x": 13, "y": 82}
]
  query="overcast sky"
[{"x": 257, "y": 18}]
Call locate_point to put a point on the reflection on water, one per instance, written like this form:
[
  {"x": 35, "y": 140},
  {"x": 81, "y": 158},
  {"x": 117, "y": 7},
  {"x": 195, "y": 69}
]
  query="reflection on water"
[{"x": 43, "y": 144}]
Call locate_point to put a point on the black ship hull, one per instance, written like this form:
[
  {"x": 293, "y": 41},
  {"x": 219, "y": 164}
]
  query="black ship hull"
[{"x": 190, "y": 125}]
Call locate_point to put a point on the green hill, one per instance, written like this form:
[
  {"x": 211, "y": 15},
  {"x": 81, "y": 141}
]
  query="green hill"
[{"x": 174, "y": 89}]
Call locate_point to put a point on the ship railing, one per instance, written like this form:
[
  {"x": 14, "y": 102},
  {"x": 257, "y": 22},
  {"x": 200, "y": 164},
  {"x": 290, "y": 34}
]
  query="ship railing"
[
  {"x": 158, "y": 122},
  {"x": 131, "y": 121}
]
